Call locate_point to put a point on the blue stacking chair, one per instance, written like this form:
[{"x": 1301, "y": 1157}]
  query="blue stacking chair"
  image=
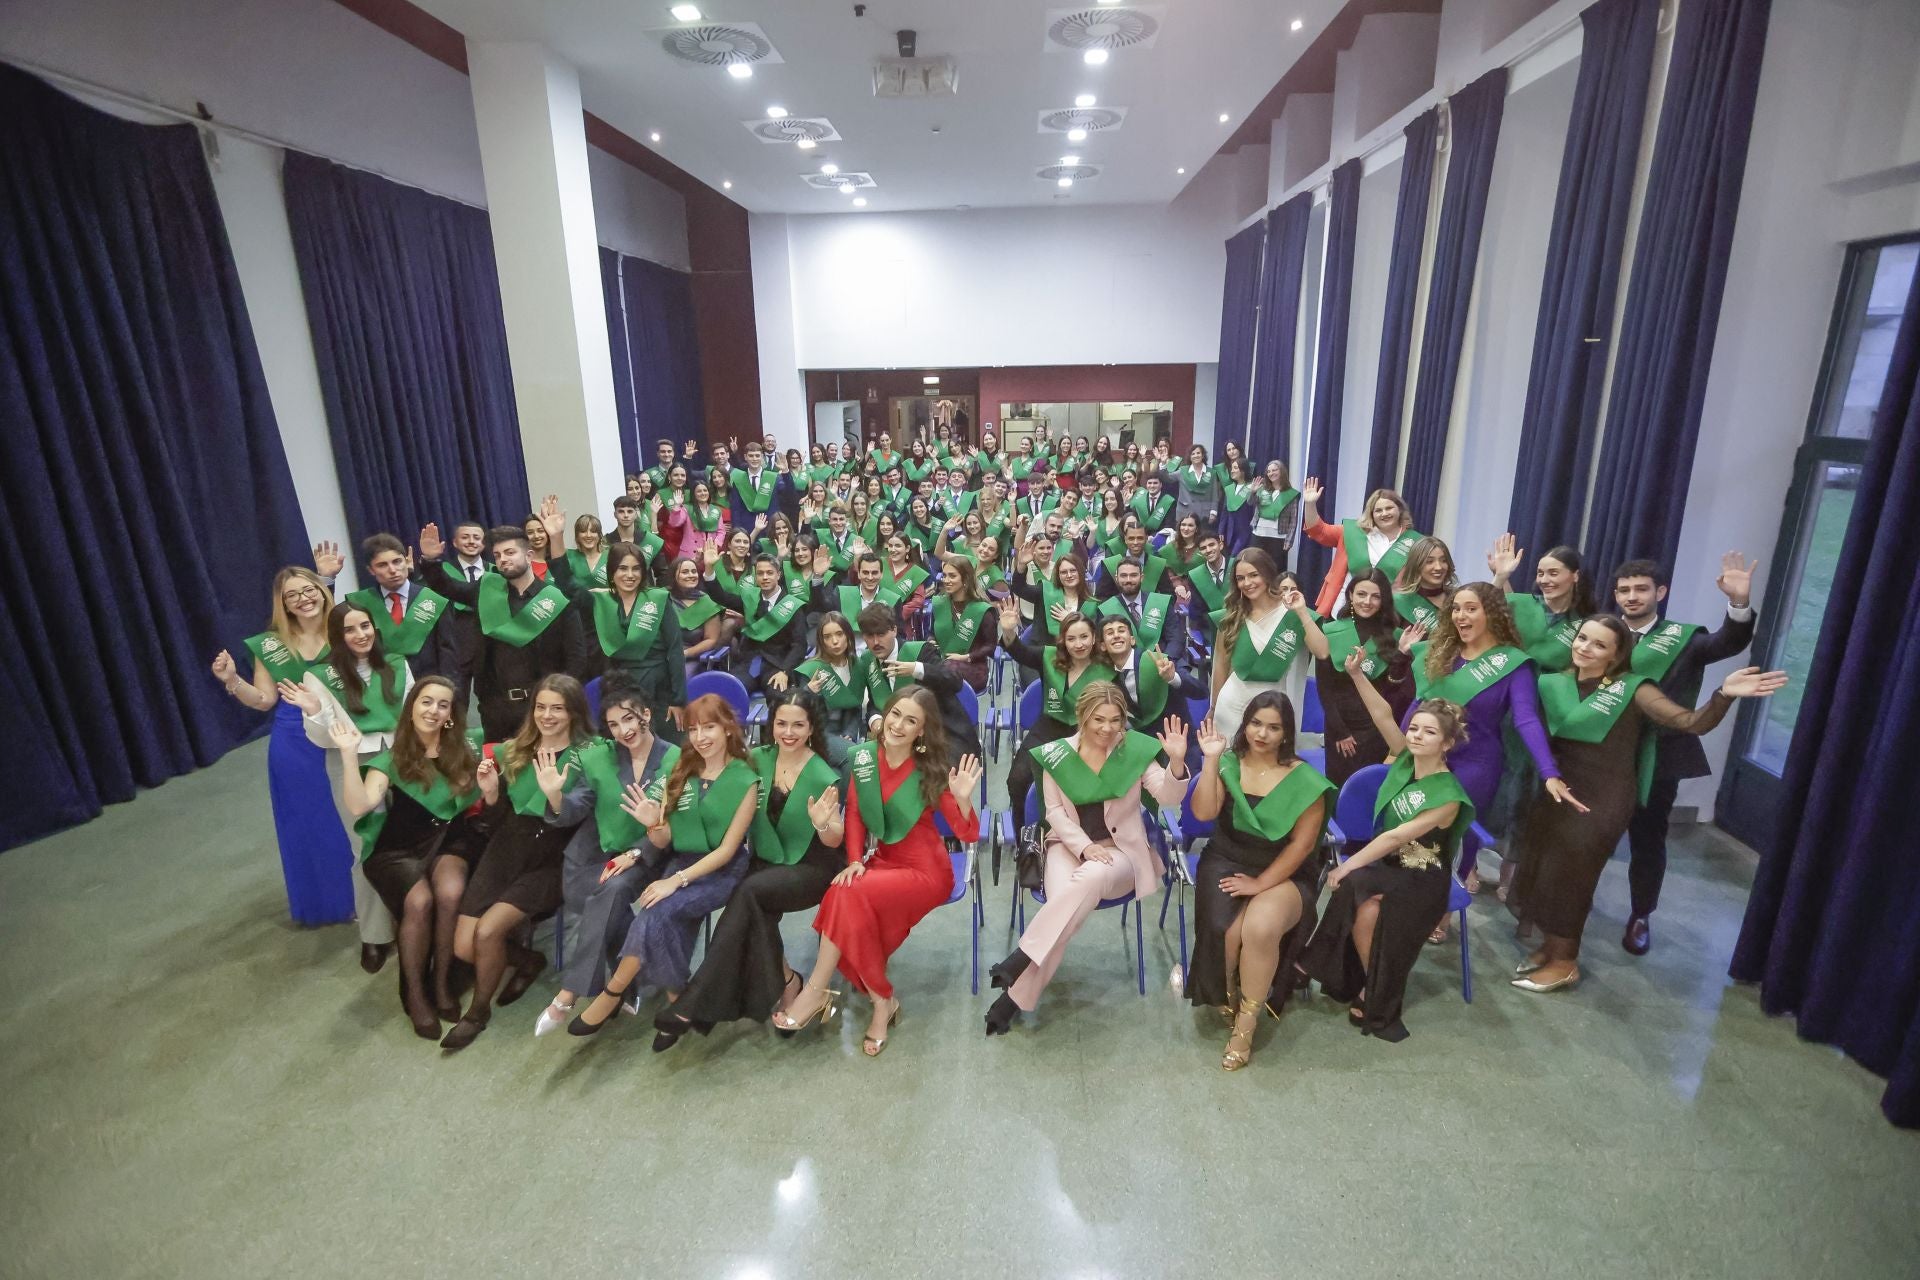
[
  {"x": 1182, "y": 832},
  {"x": 1017, "y": 920},
  {"x": 593, "y": 702},
  {"x": 725, "y": 684},
  {"x": 1313, "y": 719},
  {"x": 966, "y": 880},
  {"x": 1353, "y": 824}
]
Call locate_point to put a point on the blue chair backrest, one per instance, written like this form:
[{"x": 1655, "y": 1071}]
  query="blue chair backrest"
[
  {"x": 1193, "y": 827},
  {"x": 593, "y": 702},
  {"x": 723, "y": 683},
  {"x": 1032, "y": 702},
  {"x": 970, "y": 702},
  {"x": 1312, "y": 718},
  {"x": 1030, "y": 807},
  {"x": 1197, "y": 709},
  {"x": 1353, "y": 810}
]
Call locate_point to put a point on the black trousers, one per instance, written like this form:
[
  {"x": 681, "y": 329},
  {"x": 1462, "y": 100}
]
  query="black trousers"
[
  {"x": 1647, "y": 841},
  {"x": 1273, "y": 547}
]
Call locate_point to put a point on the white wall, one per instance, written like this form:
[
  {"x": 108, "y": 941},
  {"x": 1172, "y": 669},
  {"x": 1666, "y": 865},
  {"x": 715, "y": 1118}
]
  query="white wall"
[{"x": 783, "y": 396}]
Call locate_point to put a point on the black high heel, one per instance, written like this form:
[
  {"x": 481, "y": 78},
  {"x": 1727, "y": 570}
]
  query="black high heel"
[
  {"x": 581, "y": 1027},
  {"x": 669, "y": 1026},
  {"x": 464, "y": 1032},
  {"x": 1008, "y": 971},
  {"x": 1001, "y": 1015}
]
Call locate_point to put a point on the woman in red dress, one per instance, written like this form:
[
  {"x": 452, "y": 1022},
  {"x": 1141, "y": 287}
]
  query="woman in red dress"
[{"x": 896, "y": 786}]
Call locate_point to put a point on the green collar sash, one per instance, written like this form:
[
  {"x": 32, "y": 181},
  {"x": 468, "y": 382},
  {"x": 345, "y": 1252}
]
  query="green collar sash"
[
  {"x": 1272, "y": 502},
  {"x": 1212, "y": 591},
  {"x": 706, "y": 809},
  {"x": 1469, "y": 680},
  {"x": 1153, "y": 617},
  {"x": 1268, "y": 663},
  {"x": 1547, "y": 641},
  {"x": 438, "y": 799},
  {"x": 634, "y": 637},
  {"x": 786, "y": 842},
  {"x": 1152, "y": 514},
  {"x": 1193, "y": 479},
  {"x": 1403, "y": 798},
  {"x": 906, "y": 583},
  {"x": 600, "y": 764},
  {"x": 585, "y": 574},
  {"x": 1081, "y": 784},
  {"x": 523, "y": 789},
  {"x": 498, "y": 621},
  {"x": 455, "y": 574},
  {"x": 695, "y": 612},
  {"x": 280, "y": 660},
  {"x": 757, "y": 495},
  {"x": 706, "y": 519},
  {"x": 1152, "y": 688},
  {"x": 874, "y": 679},
  {"x": 1237, "y": 495},
  {"x": 1272, "y": 818},
  {"x": 957, "y": 502},
  {"x": 887, "y": 820},
  {"x": 382, "y": 714},
  {"x": 1592, "y": 718},
  {"x": 405, "y": 638},
  {"x": 1653, "y": 655},
  {"x": 838, "y": 693},
  {"x": 1050, "y": 597},
  {"x": 1343, "y": 637},
  {"x": 765, "y": 621},
  {"x": 955, "y": 632},
  {"x": 1358, "y": 558},
  {"x": 1061, "y": 695},
  {"x": 851, "y": 600},
  {"x": 1416, "y": 608}
]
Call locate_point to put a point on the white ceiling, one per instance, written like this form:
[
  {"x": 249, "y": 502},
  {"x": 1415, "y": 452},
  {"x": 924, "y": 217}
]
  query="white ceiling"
[{"x": 1209, "y": 57}]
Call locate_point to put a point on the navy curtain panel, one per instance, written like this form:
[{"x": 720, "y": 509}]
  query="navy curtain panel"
[
  {"x": 630, "y": 451},
  {"x": 145, "y": 501},
  {"x": 1239, "y": 309},
  {"x": 1832, "y": 931},
  {"x": 1679, "y": 273},
  {"x": 1403, "y": 282},
  {"x": 1572, "y": 331},
  {"x": 1330, "y": 354},
  {"x": 664, "y": 353},
  {"x": 404, "y": 303},
  {"x": 1282, "y": 269},
  {"x": 1475, "y": 112}
]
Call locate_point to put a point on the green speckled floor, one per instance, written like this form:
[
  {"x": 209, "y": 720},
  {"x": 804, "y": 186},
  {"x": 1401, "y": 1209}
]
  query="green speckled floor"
[{"x": 198, "y": 1089}]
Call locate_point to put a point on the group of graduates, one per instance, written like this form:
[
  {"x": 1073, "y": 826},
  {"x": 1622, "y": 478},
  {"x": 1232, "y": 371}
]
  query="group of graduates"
[{"x": 866, "y": 595}]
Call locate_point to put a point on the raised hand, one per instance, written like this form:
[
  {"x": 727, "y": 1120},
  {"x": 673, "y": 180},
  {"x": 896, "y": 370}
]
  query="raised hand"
[
  {"x": 431, "y": 547},
  {"x": 710, "y": 555},
  {"x": 1009, "y": 623},
  {"x": 1173, "y": 740},
  {"x": 554, "y": 521},
  {"x": 548, "y": 774},
  {"x": 301, "y": 695},
  {"x": 964, "y": 779},
  {"x": 824, "y": 809},
  {"x": 223, "y": 668},
  {"x": 1413, "y": 634},
  {"x": 1163, "y": 664},
  {"x": 1504, "y": 558},
  {"x": 1752, "y": 682},
  {"x": 760, "y": 522},
  {"x": 327, "y": 560},
  {"x": 1736, "y": 579},
  {"x": 1356, "y": 663},
  {"x": 1291, "y": 598},
  {"x": 898, "y": 670},
  {"x": 1213, "y": 743},
  {"x": 639, "y": 806},
  {"x": 1310, "y": 490},
  {"x": 1060, "y": 612},
  {"x": 345, "y": 735},
  {"x": 487, "y": 774}
]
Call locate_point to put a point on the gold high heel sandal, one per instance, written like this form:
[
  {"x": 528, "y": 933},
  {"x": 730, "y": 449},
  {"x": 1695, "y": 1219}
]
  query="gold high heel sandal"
[
  {"x": 783, "y": 1021},
  {"x": 872, "y": 1047},
  {"x": 1234, "y": 1059}
]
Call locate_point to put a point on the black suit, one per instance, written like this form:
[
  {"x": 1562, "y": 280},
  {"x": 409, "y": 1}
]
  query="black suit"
[
  {"x": 506, "y": 673},
  {"x": 784, "y": 650},
  {"x": 1676, "y": 756}
]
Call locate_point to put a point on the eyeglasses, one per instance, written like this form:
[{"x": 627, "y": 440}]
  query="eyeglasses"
[{"x": 298, "y": 594}]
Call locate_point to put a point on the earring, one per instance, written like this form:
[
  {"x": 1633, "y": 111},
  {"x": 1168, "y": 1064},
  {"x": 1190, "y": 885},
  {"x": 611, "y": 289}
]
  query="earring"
[
  {"x": 447, "y": 725},
  {"x": 920, "y": 748}
]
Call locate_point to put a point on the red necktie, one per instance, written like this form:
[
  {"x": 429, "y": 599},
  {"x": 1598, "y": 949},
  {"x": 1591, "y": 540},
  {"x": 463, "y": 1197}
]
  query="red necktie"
[{"x": 393, "y": 604}]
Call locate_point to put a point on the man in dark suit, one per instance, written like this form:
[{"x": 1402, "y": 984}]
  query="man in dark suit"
[
  {"x": 888, "y": 665},
  {"x": 773, "y": 636},
  {"x": 1675, "y": 655}
]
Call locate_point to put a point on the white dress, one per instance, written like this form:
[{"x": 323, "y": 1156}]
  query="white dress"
[{"x": 1236, "y": 693}]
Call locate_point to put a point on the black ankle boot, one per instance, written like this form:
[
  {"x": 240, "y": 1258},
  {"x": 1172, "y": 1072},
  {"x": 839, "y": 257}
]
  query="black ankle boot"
[
  {"x": 1008, "y": 971},
  {"x": 1000, "y": 1017}
]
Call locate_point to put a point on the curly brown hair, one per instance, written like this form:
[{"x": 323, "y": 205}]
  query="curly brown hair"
[{"x": 1445, "y": 645}]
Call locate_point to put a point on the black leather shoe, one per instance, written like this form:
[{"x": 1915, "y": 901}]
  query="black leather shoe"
[
  {"x": 464, "y": 1033},
  {"x": 373, "y": 956},
  {"x": 1638, "y": 936}
]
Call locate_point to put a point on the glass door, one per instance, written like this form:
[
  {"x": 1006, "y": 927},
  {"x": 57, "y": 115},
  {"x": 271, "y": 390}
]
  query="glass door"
[{"x": 1873, "y": 293}]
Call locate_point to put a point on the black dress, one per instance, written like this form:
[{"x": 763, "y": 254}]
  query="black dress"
[
  {"x": 1346, "y": 715},
  {"x": 1232, "y": 851},
  {"x": 742, "y": 973},
  {"x": 521, "y": 866},
  {"x": 410, "y": 842}
]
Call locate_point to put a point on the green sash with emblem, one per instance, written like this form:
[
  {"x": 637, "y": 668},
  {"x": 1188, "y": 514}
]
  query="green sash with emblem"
[
  {"x": 1271, "y": 502},
  {"x": 382, "y": 714},
  {"x": 1654, "y": 654},
  {"x": 706, "y": 809},
  {"x": 1416, "y": 608},
  {"x": 498, "y": 621},
  {"x": 1060, "y": 695},
  {"x": 1268, "y": 663},
  {"x": 1592, "y": 718},
  {"x": 763, "y": 622},
  {"x": 839, "y": 694},
  {"x": 408, "y": 636},
  {"x": 1403, "y": 797},
  {"x": 1272, "y": 818},
  {"x": 1466, "y": 682},
  {"x": 438, "y": 799},
  {"x": 1358, "y": 561},
  {"x": 584, "y": 574},
  {"x": 280, "y": 660},
  {"x": 1153, "y": 616},
  {"x": 523, "y": 789},
  {"x": 633, "y": 639},
  {"x": 1152, "y": 686},
  {"x": 1195, "y": 480},
  {"x": 756, "y": 495},
  {"x": 1121, "y": 773},
  {"x": 887, "y": 820},
  {"x": 1343, "y": 637},
  {"x": 955, "y": 632},
  {"x": 694, "y": 613},
  {"x": 906, "y": 583},
  {"x": 850, "y": 600},
  {"x": 1152, "y": 514},
  {"x": 1213, "y": 594},
  {"x": 1548, "y": 643},
  {"x": 1051, "y": 597},
  {"x": 456, "y": 574},
  {"x": 785, "y": 842},
  {"x": 874, "y": 679},
  {"x": 706, "y": 519},
  {"x": 600, "y": 764}
]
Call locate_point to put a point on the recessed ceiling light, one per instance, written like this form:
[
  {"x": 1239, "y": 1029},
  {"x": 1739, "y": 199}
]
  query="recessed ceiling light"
[
  {"x": 1063, "y": 183},
  {"x": 654, "y": 136},
  {"x": 685, "y": 12},
  {"x": 829, "y": 168},
  {"x": 1085, "y": 100},
  {"x": 805, "y": 144},
  {"x": 1073, "y": 135},
  {"x": 1223, "y": 117},
  {"x": 1180, "y": 170},
  {"x": 859, "y": 202},
  {"x": 1094, "y": 57},
  {"x": 932, "y": 379},
  {"x": 1109, "y": 1},
  {"x": 1295, "y": 25},
  {"x": 1069, "y": 159},
  {"x": 846, "y": 188},
  {"x": 776, "y": 113},
  {"x": 740, "y": 71},
  {"x": 726, "y": 184}
]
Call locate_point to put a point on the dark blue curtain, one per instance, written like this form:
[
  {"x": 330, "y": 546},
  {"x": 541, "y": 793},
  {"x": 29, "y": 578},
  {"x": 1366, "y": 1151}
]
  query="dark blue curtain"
[
  {"x": 404, "y": 303},
  {"x": 145, "y": 501},
  {"x": 630, "y": 450},
  {"x": 1571, "y": 333},
  {"x": 664, "y": 352},
  {"x": 1403, "y": 282},
  {"x": 1281, "y": 270},
  {"x": 1679, "y": 272},
  {"x": 1239, "y": 304},
  {"x": 1474, "y": 134},
  {"x": 1832, "y": 932},
  {"x": 1330, "y": 356}
]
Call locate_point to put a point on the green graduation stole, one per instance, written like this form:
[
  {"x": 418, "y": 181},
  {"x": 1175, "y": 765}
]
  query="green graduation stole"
[
  {"x": 706, "y": 519},
  {"x": 839, "y": 550},
  {"x": 869, "y": 532},
  {"x": 1548, "y": 643},
  {"x": 1152, "y": 689},
  {"x": 1358, "y": 562},
  {"x": 907, "y": 583},
  {"x": 840, "y": 695},
  {"x": 498, "y": 621},
  {"x": 1109, "y": 540},
  {"x": 957, "y": 502},
  {"x": 1592, "y": 718},
  {"x": 1022, "y": 467},
  {"x": 1403, "y": 797},
  {"x": 724, "y": 575},
  {"x": 706, "y": 809},
  {"x": 1416, "y": 608},
  {"x": 922, "y": 535},
  {"x": 634, "y": 639},
  {"x": 1469, "y": 681},
  {"x": 1237, "y": 495},
  {"x": 658, "y": 475},
  {"x": 1156, "y": 569},
  {"x": 600, "y": 764},
  {"x": 405, "y": 638},
  {"x": 673, "y": 499},
  {"x": 955, "y": 633},
  {"x": 1050, "y": 597},
  {"x": 280, "y": 660},
  {"x": 1273, "y": 817},
  {"x": 584, "y": 574},
  {"x": 1060, "y": 696},
  {"x": 895, "y": 496},
  {"x": 1153, "y": 616},
  {"x": 438, "y": 799},
  {"x": 1272, "y": 502},
  {"x": 878, "y": 684},
  {"x": 887, "y": 820},
  {"x": 1212, "y": 594},
  {"x": 886, "y": 460},
  {"x": 695, "y": 612},
  {"x": 452, "y": 570},
  {"x": 785, "y": 842},
  {"x": 915, "y": 472},
  {"x": 756, "y": 495},
  {"x": 1654, "y": 654},
  {"x": 1268, "y": 664},
  {"x": 1343, "y": 637},
  {"x": 794, "y": 578},
  {"x": 1122, "y": 771},
  {"x": 886, "y": 594},
  {"x": 763, "y": 625},
  {"x": 523, "y": 789},
  {"x": 1152, "y": 514},
  {"x": 382, "y": 714},
  {"x": 1177, "y": 564},
  {"x": 1193, "y": 479}
]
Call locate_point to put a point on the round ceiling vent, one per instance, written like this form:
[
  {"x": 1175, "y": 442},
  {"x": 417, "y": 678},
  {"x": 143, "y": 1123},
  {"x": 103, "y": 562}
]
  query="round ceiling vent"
[
  {"x": 835, "y": 181},
  {"x": 1092, "y": 119},
  {"x": 1104, "y": 28},
  {"x": 793, "y": 129},
  {"x": 713, "y": 45},
  {"x": 1078, "y": 172}
]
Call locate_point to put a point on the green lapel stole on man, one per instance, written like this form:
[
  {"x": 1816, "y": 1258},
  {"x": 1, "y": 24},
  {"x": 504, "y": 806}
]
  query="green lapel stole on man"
[
  {"x": 706, "y": 809},
  {"x": 1654, "y": 654},
  {"x": 1468, "y": 681},
  {"x": 765, "y": 621},
  {"x": 1273, "y": 815},
  {"x": 405, "y": 638},
  {"x": 957, "y": 502},
  {"x": 1153, "y": 514},
  {"x": 755, "y": 493},
  {"x": 1592, "y": 718},
  {"x": 1060, "y": 695},
  {"x": 1268, "y": 663},
  {"x": 1547, "y": 641},
  {"x": 382, "y": 713},
  {"x": 873, "y": 676},
  {"x": 1120, "y": 773},
  {"x": 955, "y": 632},
  {"x": 456, "y": 574},
  {"x": 498, "y": 621},
  {"x": 633, "y": 637},
  {"x": 887, "y": 820},
  {"x": 438, "y": 798},
  {"x": 1151, "y": 688},
  {"x": 1153, "y": 616},
  {"x": 1359, "y": 560},
  {"x": 1415, "y": 608},
  {"x": 851, "y": 602},
  {"x": 1213, "y": 592},
  {"x": 786, "y": 842},
  {"x": 1343, "y": 637},
  {"x": 279, "y": 658}
]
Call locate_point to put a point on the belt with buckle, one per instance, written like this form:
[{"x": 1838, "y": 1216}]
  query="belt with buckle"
[{"x": 517, "y": 695}]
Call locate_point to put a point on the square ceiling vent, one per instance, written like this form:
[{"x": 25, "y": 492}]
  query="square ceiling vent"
[
  {"x": 835, "y": 181},
  {"x": 793, "y": 129},
  {"x": 1112, "y": 27},
  {"x": 717, "y": 44},
  {"x": 1092, "y": 119}
]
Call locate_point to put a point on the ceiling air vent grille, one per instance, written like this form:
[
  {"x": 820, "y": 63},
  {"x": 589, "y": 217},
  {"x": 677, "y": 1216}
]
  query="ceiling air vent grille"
[
  {"x": 714, "y": 44},
  {"x": 1078, "y": 172},
  {"x": 1107, "y": 27},
  {"x": 793, "y": 129},
  {"x": 1092, "y": 119},
  {"x": 834, "y": 181}
]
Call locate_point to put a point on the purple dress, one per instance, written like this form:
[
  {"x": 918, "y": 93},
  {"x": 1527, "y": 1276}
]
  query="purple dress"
[{"x": 1515, "y": 699}]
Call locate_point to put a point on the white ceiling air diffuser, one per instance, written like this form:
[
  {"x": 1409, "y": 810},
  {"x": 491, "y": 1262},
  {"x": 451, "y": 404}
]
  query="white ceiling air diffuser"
[
  {"x": 914, "y": 78},
  {"x": 835, "y": 181},
  {"x": 790, "y": 129},
  {"x": 717, "y": 44},
  {"x": 1092, "y": 119},
  {"x": 1122, "y": 26},
  {"x": 1078, "y": 172}
]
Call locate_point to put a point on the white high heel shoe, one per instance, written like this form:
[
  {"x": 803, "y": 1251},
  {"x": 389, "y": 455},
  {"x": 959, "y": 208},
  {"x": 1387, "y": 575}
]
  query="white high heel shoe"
[{"x": 552, "y": 1018}]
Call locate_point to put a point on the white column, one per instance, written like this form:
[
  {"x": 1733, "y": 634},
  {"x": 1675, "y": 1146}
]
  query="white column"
[{"x": 533, "y": 153}]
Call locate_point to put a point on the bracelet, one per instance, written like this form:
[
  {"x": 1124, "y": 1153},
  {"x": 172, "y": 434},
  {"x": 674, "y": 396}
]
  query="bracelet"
[{"x": 681, "y": 877}]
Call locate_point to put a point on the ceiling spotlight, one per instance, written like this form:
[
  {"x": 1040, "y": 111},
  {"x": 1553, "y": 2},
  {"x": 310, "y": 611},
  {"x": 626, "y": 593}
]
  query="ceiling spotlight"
[
  {"x": 931, "y": 379},
  {"x": 1182, "y": 169},
  {"x": 740, "y": 70},
  {"x": 846, "y": 188},
  {"x": 654, "y": 136},
  {"x": 829, "y": 168},
  {"x": 1223, "y": 117},
  {"x": 776, "y": 113},
  {"x": 1073, "y": 135},
  {"x": 859, "y": 202},
  {"x": 1094, "y": 57},
  {"x": 1295, "y": 25},
  {"x": 1063, "y": 183},
  {"x": 685, "y": 12},
  {"x": 726, "y": 184},
  {"x": 1085, "y": 100},
  {"x": 805, "y": 144},
  {"x": 1069, "y": 159}
]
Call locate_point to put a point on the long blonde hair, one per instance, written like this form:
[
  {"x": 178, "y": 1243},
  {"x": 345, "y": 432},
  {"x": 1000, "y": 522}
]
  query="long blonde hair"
[
  {"x": 1097, "y": 695},
  {"x": 282, "y": 623},
  {"x": 1408, "y": 579},
  {"x": 1445, "y": 645},
  {"x": 1366, "y": 513}
]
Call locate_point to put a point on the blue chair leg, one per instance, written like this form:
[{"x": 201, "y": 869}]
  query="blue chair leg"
[
  {"x": 1466, "y": 961},
  {"x": 978, "y": 914},
  {"x": 1183, "y": 931},
  {"x": 1140, "y": 949},
  {"x": 1171, "y": 885}
]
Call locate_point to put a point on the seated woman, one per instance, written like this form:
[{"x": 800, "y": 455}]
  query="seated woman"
[
  {"x": 1066, "y": 671},
  {"x": 898, "y": 784},
  {"x": 608, "y": 860},
  {"x": 1096, "y": 835},
  {"x": 417, "y": 836},
  {"x": 696, "y": 612},
  {"x": 965, "y": 625},
  {"x": 795, "y": 836},
  {"x": 518, "y": 878},
  {"x": 1390, "y": 894},
  {"x": 1597, "y": 714},
  {"x": 701, "y": 818},
  {"x": 830, "y": 673},
  {"x": 1258, "y": 881}
]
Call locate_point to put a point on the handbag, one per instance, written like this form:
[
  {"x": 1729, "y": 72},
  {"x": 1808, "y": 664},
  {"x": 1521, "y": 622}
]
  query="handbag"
[{"x": 1030, "y": 857}]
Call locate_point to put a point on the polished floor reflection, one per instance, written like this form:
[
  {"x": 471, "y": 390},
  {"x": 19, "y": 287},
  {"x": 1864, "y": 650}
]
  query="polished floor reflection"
[{"x": 195, "y": 1088}]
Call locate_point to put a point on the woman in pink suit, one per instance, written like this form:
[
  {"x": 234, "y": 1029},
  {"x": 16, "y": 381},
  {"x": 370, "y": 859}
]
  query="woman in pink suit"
[{"x": 1096, "y": 834}]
